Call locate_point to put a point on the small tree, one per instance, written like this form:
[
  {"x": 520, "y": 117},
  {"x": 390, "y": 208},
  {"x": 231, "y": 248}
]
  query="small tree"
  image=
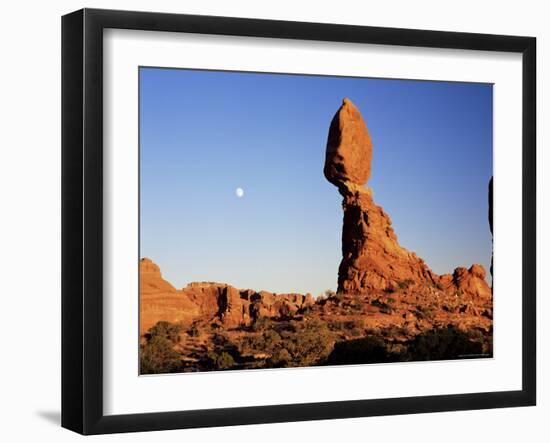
[
  {"x": 280, "y": 358},
  {"x": 170, "y": 331},
  {"x": 222, "y": 360},
  {"x": 158, "y": 356}
]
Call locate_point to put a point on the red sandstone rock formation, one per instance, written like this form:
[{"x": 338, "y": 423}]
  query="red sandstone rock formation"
[
  {"x": 208, "y": 302},
  {"x": 385, "y": 291},
  {"x": 159, "y": 300},
  {"x": 349, "y": 148},
  {"x": 372, "y": 258}
]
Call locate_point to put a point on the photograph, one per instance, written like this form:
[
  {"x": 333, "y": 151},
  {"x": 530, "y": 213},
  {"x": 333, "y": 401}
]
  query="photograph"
[{"x": 296, "y": 220}]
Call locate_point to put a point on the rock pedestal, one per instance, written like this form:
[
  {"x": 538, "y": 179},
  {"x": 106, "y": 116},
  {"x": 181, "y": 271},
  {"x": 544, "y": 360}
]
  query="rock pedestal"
[{"x": 372, "y": 258}]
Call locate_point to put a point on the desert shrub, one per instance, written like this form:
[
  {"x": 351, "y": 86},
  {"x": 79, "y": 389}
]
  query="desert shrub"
[
  {"x": 404, "y": 284},
  {"x": 193, "y": 331},
  {"x": 334, "y": 297},
  {"x": 301, "y": 343},
  {"x": 338, "y": 325},
  {"x": 347, "y": 326},
  {"x": 361, "y": 351},
  {"x": 271, "y": 338},
  {"x": 220, "y": 360},
  {"x": 384, "y": 307},
  {"x": 267, "y": 342},
  {"x": 443, "y": 344},
  {"x": 310, "y": 344},
  {"x": 158, "y": 356},
  {"x": 170, "y": 331},
  {"x": 485, "y": 340},
  {"x": 394, "y": 331},
  {"x": 280, "y": 358},
  {"x": 438, "y": 286},
  {"x": 306, "y": 310},
  {"x": 261, "y": 323},
  {"x": 425, "y": 312}
]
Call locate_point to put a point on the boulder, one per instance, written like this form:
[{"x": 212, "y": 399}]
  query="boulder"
[{"x": 349, "y": 148}]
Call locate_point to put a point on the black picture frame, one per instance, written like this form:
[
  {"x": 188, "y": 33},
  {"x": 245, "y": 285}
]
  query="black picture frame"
[{"x": 82, "y": 218}]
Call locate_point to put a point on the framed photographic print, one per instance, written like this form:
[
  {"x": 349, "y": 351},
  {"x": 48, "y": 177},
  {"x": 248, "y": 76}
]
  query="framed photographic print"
[{"x": 304, "y": 221}]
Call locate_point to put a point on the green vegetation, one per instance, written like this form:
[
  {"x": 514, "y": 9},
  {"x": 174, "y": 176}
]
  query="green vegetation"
[
  {"x": 280, "y": 358},
  {"x": 425, "y": 312},
  {"x": 220, "y": 361},
  {"x": 438, "y": 286},
  {"x": 291, "y": 343},
  {"x": 276, "y": 343},
  {"x": 157, "y": 355},
  {"x": 436, "y": 344},
  {"x": 170, "y": 331},
  {"x": 404, "y": 284},
  {"x": 385, "y": 308},
  {"x": 444, "y": 344},
  {"x": 261, "y": 324}
]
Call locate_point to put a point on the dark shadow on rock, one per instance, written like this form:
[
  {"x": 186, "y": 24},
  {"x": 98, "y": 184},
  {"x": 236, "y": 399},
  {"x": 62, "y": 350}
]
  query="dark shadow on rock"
[{"x": 54, "y": 417}]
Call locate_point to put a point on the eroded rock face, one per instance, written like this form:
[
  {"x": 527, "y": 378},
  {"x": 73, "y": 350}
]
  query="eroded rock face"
[
  {"x": 151, "y": 279},
  {"x": 469, "y": 283},
  {"x": 349, "y": 148},
  {"x": 209, "y": 302},
  {"x": 372, "y": 258}
]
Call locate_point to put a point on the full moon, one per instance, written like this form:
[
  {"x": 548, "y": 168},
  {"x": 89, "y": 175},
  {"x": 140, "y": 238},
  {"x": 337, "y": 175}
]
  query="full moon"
[{"x": 239, "y": 192}]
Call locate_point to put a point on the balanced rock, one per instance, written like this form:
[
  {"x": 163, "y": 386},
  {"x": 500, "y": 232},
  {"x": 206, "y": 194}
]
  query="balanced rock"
[
  {"x": 349, "y": 148},
  {"x": 372, "y": 258}
]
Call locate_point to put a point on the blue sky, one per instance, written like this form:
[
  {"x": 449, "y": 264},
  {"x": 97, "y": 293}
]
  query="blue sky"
[{"x": 205, "y": 133}]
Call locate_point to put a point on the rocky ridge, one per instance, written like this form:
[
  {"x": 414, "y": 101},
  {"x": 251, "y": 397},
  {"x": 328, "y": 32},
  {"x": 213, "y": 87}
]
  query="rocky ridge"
[{"x": 208, "y": 302}]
